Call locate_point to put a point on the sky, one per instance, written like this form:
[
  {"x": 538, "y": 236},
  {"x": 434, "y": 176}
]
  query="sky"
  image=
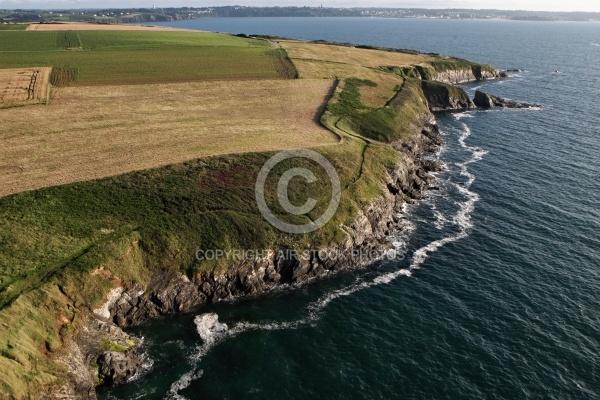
[{"x": 536, "y": 5}]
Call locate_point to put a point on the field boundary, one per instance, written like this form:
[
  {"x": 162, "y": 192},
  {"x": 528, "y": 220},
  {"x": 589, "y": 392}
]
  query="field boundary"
[{"x": 24, "y": 86}]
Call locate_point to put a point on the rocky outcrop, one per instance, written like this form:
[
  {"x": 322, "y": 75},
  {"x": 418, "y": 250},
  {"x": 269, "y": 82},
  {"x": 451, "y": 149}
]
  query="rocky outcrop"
[
  {"x": 167, "y": 292},
  {"x": 475, "y": 73},
  {"x": 486, "y": 100},
  {"x": 118, "y": 367},
  {"x": 366, "y": 241},
  {"x": 100, "y": 352},
  {"x": 443, "y": 96}
]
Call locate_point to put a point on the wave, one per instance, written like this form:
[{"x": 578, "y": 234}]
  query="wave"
[
  {"x": 213, "y": 332},
  {"x": 461, "y": 115},
  {"x": 595, "y": 44},
  {"x": 182, "y": 383}
]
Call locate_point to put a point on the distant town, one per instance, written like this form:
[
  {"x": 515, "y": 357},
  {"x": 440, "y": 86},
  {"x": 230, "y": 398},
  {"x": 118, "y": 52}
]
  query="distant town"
[{"x": 154, "y": 14}]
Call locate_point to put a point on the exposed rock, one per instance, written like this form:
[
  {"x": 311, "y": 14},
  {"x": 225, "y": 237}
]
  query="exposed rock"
[
  {"x": 442, "y": 96},
  {"x": 170, "y": 292},
  {"x": 167, "y": 292},
  {"x": 486, "y": 100},
  {"x": 476, "y": 73},
  {"x": 86, "y": 360},
  {"x": 118, "y": 367}
]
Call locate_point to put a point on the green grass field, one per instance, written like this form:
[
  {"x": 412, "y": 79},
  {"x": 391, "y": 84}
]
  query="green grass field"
[
  {"x": 13, "y": 27},
  {"x": 132, "y": 57},
  {"x": 54, "y": 239}
]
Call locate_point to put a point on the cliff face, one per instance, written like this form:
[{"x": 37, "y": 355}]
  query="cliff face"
[
  {"x": 455, "y": 76},
  {"x": 281, "y": 266},
  {"x": 170, "y": 292},
  {"x": 442, "y": 96}
]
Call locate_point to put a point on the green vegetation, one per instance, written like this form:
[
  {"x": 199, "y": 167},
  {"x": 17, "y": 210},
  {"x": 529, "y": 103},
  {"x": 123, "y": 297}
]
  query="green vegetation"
[
  {"x": 136, "y": 57},
  {"x": 218, "y": 200},
  {"x": 439, "y": 94},
  {"x": 56, "y": 238},
  {"x": 444, "y": 63},
  {"x": 109, "y": 345},
  {"x": 65, "y": 247},
  {"x": 385, "y": 124},
  {"x": 13, "y": 27}
]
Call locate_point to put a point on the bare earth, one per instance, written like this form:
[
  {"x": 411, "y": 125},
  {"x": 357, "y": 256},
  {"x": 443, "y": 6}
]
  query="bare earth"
[
  {"x": 89, "y": 133},
  {"x": 82, "y": 26},
  {"x": 24, "y": 86}
]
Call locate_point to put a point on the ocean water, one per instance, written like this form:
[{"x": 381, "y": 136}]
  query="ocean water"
[{"x": 498, "y": 293}]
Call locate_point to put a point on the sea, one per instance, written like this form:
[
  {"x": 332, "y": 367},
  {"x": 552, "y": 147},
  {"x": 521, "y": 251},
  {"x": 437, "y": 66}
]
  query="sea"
[{"x": 496, "y": 290}]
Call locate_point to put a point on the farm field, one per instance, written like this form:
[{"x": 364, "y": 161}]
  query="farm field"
[
  {"x": 24, "y": 86},
  {"x": 84, "y": 26},
  {"x": 88, "y": 133},
  {"x": 315, "y": 61},
  {"x": 323, "y": 60},
  {"x": 138, "y": 57},
  {"x": 149, "y": 150},
  {"x": 13, "y": 27}
]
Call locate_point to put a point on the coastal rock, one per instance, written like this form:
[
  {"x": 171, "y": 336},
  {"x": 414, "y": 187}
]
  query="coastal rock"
[
  {"x": 86, "y": 360},
  {"x": 118, "y": 367},
  {"x": 167, "y": 292},
  {"x": 476, "y": 73},
  {"x": 486, "y": 100},
  {"x": 442, "y": 96},
  {"x": 170, "y": 292}
]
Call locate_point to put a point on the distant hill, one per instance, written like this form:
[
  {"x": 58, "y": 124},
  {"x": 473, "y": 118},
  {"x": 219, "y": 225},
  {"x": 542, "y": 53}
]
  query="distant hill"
[{"x": 173, "y": 14}]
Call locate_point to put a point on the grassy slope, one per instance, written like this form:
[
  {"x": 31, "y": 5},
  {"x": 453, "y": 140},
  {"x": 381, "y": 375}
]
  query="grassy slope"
[{"x": 54, "y": 239}]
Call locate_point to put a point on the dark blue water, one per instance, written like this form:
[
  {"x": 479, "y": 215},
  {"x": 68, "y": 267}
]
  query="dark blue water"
[{"x": 498, "y": 295}]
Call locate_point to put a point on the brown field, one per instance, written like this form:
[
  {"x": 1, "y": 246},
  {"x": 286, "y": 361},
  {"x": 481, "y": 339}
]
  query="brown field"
[
  {"x": 82, "y": 26},
  {"x": 24, "y": 86},
  {"x": 325, "y": 61},
  {"x": 89, "y": 133}
]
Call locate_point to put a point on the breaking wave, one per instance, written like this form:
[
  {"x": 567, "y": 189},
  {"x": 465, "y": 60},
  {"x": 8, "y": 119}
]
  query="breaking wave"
[{"x": 213, "y": 332}]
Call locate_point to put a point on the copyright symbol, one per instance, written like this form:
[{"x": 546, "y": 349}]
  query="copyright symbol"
[{"x": 283, "y": 191}]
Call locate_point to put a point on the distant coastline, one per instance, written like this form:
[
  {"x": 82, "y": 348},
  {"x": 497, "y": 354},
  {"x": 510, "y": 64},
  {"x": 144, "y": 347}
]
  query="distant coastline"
[{"x": 137, "y": 15}]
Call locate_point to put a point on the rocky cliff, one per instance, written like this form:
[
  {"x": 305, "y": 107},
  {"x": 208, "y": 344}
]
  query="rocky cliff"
[
  {"x": 486, "y": 100},
  {"x": 455, "y": 76},
  {"x": 117, "y": 358},
  {"x": 104, "y": 353},
  {"x": 443, "y": 96}
]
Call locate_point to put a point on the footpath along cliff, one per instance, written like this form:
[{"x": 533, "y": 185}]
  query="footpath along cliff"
[
  {"x": 69, "y": 335},
  {"x": 170, "y": 292}
]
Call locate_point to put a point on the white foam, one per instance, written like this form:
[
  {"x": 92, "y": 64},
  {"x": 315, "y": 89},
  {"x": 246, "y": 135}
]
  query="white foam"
[
  {"x": 209, "y": 328},
  {"x": 440, "y": 220},
  {"x": 595, "y": 44},
  {"x": 213, "y": 332},
  {"x": 147, "y": 364},
  {"x": 183, "y": 382},
  {"x": 462, "y": 218},
  {"x": 461, "y": 115},
  {"x": 329, "y": 297}
]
